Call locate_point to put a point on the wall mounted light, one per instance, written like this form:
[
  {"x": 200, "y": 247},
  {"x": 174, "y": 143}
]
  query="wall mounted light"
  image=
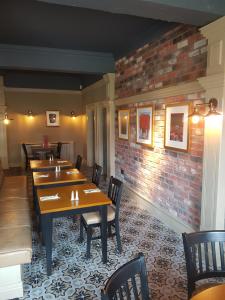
[
  {"x": 72, "y": 114},
  {"x": 6, "y": 120},
  {"x": 212, "y": 104},
  {"x": 30, "y": 114}
]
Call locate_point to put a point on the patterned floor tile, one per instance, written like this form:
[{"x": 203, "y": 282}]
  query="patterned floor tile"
[{"x": 75, "y": 277}]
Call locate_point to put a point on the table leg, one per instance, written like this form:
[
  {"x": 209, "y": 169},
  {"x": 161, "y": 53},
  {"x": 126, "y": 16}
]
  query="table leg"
[
  {"x": 46, "y": 224},
  {"x": 104, "y": 232}
]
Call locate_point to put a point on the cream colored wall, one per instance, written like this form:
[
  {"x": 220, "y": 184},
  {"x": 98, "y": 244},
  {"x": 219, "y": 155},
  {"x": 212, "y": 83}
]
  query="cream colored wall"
[
  {"x": 25, "y": 129},
  {"x": 95, "y": 93}
]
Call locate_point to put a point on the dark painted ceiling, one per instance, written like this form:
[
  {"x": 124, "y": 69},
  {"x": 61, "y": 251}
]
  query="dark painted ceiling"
[
  {"x": 194, "y": 12},
  {"x": 114, "y": 26},
  {"x": 30, "y": 22}
]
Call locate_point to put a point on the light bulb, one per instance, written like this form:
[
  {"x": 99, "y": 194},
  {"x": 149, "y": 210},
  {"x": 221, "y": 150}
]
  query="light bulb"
[
  {"x": 6, "y": 121},
  {"x": 195, "y": 119}
]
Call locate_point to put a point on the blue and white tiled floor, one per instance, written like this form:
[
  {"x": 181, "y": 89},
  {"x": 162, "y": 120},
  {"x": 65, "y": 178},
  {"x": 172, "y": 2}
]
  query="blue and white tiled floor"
[{"x": 75, "y": 277}]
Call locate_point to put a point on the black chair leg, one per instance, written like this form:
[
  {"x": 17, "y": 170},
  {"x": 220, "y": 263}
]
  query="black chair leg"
[
  {"x": 118, "y": 240},
  {"x": 89, "y": 234},
  {"x": 109, "y": 230},
  {"x": 81, "y": 238}
]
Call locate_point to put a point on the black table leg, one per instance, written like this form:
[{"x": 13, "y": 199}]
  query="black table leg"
[
  {"x": 46, "y": 223},
  {"x": 104, "y": 232}
]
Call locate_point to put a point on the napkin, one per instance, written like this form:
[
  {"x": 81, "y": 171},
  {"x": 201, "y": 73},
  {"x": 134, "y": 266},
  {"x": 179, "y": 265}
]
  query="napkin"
[
  {"x": 92, "y": 191},
  {"x": 61, "y": 161},
  {"x": 52, "y": 197},
  {"x": 39, "y": 176},
  {"x": 72, "y": 172}
]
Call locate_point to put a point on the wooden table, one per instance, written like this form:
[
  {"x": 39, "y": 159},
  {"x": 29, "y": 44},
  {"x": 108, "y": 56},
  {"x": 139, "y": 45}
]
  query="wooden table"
[
  {"x": 47, "y": 165},
  {"x": 64, "y": 177},
  {"x": 214, "y": 293},
  {"x": 65, "y": 207}
]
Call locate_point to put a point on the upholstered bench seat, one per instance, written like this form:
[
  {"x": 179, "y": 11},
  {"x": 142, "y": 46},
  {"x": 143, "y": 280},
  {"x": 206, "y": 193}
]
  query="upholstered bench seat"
[
  {"x": 15, "y": 234},
  {"x": 17, "y": 246},
  {"x": 14, "y": 219},
  {"x": 13, "y": 204}
]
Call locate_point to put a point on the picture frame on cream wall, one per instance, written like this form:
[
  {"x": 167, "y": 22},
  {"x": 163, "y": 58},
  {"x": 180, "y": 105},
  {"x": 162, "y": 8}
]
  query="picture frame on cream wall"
[
  {"x": 144, "y": 125},
  {"x": 123, "y": 123},
  {"x": 52, "y": 118},
  {"x": 177, "y": 127}
]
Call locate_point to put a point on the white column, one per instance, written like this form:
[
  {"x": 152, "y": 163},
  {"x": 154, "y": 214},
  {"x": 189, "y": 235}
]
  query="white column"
[
  {"x": 213, "y": 190},
  {"x": 110, "y": 80},
  {"x": 3, "y": 133},
  {"x": 90, "y": 111}
]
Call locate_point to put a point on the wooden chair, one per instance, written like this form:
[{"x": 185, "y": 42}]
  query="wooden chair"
[
  {"x": 96, "y": 175},
  {"x": 93, "y": 219},
  {"x": 58, "y": 150},
  {"x": 128, "y": 282},
  {"x": 27, "y": 157},
  {"x": 78, "y": 162},
  {"x": 204, "y": 254}
]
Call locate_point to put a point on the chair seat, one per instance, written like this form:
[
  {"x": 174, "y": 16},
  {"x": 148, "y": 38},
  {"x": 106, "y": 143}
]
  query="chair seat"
[
  {"x": 95, "y": 218},
  {"x": 205, "y": 286}
]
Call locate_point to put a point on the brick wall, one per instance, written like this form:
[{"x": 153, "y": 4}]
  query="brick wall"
[
  {"x": 169, "y": 179},
  {"x": 180, "y": 55}
]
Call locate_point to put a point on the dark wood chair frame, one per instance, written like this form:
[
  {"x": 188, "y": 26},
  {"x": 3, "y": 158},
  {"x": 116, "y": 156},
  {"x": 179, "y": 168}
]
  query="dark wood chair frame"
[
  {"x": 198, "y": 261},
  {"x": 78, "y": 162},
  {"x": 96, "y": 175},
  {"x": 27, "y": 157},
  {"x": 118, "y": 287},
  {"x": 58, "y": 150},
  {"x": 114, "y": 193}
]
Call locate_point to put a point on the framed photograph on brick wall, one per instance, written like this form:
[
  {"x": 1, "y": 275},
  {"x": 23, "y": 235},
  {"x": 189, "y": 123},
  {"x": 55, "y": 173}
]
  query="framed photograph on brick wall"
[
  {"x": 145, "y": 125},
  {"x": 123, "y": 123},
  {"x": 177, "y": 127}
]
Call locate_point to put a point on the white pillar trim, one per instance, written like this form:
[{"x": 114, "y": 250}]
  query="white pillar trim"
[
  {"x": 97, "y": 108},
  {"x": 213, "y": 185},
  {"x": 3, "y": 130}
]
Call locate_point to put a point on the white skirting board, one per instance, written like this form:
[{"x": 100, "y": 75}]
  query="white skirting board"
[{"x": 11, "y": 285}]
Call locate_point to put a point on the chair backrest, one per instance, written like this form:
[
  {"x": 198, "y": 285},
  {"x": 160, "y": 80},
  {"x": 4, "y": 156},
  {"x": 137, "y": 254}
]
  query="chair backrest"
[
  {"x": 204, "y": 254},
  {"x": 114, "y": 192},
  {"x": 78, "y": 162},
  {"x": 96, "y": 175},
  {"x": 25, "y": 150},
  {"x": 128, "y": 282},
  {"x": 58, "y": 150}
]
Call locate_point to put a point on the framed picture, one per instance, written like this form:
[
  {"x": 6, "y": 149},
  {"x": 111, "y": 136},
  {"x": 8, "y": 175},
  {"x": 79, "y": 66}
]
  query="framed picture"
[
  {"x": 123, "y": 120},
  {"x": 52, "y": 118},
  {"x": 145, "y": 125},
  {"x": 177, "y": 127}
]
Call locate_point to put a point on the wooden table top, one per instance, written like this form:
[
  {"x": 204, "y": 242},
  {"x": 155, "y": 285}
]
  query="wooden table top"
[
  {"x": 47, "y": 164},
  {"x": 65, "y": 203},
  {"x": 214, "y": 293},
  {"x": 63, "y": 176}
]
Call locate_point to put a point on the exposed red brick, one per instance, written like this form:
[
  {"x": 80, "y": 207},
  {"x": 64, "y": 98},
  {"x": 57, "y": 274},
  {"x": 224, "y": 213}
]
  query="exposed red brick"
[{"x": 170, "y": 179}]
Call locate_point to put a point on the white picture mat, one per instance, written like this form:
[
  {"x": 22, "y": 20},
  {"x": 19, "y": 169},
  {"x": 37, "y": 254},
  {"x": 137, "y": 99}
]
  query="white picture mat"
[
  {"x": 177, "y": 144},
  {"x": 140, "y": 111},
  {"x": 122, "y": 114}
]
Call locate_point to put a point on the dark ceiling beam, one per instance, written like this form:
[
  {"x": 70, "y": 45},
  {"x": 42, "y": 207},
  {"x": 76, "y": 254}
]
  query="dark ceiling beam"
[
  {"x": 194, "y": 12},
  {"x": 55, "y": 60}
]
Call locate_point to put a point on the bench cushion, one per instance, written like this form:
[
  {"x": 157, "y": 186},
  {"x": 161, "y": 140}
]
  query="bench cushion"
[
  {"x": 14, "y": 219},
  {"x": 15, "y": 222},
  {"x": 15, "y": 246},
  {"x": 14, "y": 186},
  {"x": 14, "y": 204}
]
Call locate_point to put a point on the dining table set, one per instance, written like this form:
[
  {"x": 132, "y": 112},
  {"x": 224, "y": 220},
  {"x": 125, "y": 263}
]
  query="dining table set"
[{"x": 60, "y": 190}]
